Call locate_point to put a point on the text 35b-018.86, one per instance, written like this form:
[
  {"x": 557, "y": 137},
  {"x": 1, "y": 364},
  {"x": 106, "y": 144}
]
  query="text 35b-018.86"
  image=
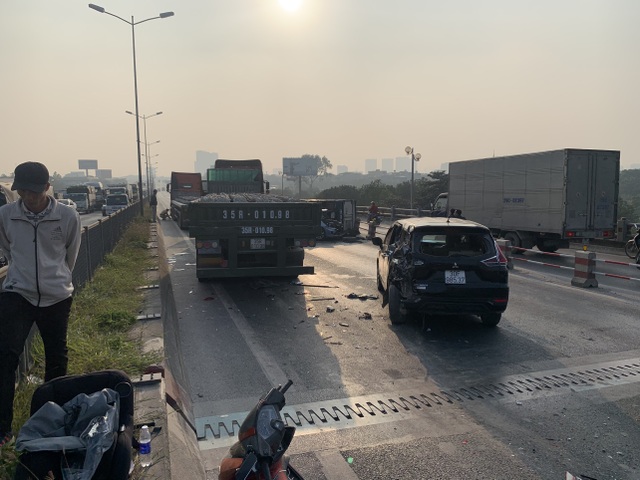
[{"x": 261, "y": 230}]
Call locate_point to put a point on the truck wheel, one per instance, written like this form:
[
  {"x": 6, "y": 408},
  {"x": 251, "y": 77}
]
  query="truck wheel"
[
  {"x": 395, "y": 314},
  {"x": 491, "y": 319},
  {"x": 546, "y": 248},
  {"x": 515, "y": 242}
]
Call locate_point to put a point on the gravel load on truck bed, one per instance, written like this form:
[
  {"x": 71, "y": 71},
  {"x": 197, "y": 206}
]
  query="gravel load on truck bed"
[{"x": 244, "y": 198}]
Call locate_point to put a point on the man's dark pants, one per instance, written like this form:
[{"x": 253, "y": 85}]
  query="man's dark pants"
[{"x": 17, "y": 316}]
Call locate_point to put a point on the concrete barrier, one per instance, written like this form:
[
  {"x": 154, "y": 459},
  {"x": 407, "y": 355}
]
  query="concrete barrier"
[
  {"x": 507, "y": 251},
  {"x": 584, "y": 271}
]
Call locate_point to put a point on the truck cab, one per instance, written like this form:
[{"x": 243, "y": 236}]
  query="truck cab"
[{"x": 441, "y": 205}]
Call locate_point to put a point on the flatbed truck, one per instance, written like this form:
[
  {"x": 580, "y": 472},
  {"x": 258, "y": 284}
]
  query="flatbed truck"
[
  {"x": 241, "y": 238},
  {"x": 241, "y": 230}
]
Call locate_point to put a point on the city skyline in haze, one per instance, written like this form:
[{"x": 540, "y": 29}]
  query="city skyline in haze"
[{"x": 347, "y": 79}]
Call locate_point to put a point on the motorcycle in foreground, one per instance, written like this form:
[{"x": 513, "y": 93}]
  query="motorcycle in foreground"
[{"x": 262, "y": 441}]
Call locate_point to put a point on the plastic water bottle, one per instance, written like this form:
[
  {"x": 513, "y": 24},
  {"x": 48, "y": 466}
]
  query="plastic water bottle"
[{"x": 145, "y": 446}]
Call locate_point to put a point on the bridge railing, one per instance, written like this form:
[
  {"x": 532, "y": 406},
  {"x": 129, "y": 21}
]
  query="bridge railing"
[{"x": 393, "y": 213}]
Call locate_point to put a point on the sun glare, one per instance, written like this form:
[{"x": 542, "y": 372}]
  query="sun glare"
[{"x": 290, "y": 5}]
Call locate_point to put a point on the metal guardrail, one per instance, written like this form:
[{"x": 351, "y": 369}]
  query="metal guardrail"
[
  {"x": 98, "y": 240},
  {"x": 393, "y": 213}
]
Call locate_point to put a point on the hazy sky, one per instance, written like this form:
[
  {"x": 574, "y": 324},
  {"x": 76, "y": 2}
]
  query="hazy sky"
[{"x": 347, "y": 79}]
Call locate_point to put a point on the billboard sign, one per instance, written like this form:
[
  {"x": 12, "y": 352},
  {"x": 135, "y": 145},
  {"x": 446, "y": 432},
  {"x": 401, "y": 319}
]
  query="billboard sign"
[
  {"x": 88, "y": 164},
  {"x": 299, "y": 167}
]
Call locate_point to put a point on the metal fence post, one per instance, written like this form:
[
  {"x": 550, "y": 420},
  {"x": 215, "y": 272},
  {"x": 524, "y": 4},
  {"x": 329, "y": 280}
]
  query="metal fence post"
[{"x": 85, "y": 232}]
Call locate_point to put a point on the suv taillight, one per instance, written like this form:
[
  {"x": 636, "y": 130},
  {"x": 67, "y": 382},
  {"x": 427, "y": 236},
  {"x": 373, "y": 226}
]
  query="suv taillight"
[{"x": 498, "y": 260}]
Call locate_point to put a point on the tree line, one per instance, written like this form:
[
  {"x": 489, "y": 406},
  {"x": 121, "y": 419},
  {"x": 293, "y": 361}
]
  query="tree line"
[{"x": 426, "y": 189}]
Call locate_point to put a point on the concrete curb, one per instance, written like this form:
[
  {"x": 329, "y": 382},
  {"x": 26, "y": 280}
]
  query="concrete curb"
[{"x": 174, "y": 451}]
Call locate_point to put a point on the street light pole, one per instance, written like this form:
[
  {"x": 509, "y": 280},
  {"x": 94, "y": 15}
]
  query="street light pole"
[
  {"x": 150, "y": 182},
  {"x": 414, "y": 158},
  {"x": 146, "y": 144},
  {"x": 133, "y": 23}
]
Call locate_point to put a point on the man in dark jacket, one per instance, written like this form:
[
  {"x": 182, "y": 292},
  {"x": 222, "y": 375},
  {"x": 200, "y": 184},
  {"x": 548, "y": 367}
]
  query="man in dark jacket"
[
  {"x": 153, "y": 203},
  {"x": 41, "y": 240}
]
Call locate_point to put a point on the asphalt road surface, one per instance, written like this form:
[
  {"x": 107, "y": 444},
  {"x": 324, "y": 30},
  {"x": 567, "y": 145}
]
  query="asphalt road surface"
[{"x": 554, "y": 388}]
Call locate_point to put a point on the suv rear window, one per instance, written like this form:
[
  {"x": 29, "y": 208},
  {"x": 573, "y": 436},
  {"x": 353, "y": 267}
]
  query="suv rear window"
[{"x": 448, "y": 243}]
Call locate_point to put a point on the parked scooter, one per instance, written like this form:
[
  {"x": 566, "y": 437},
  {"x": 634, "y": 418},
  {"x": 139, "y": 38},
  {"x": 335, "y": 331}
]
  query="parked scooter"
[
  {"x": 262, "y": 441},
  {"x": 632, "y": 247}
]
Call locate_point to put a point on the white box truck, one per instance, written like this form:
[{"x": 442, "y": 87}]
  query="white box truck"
[{"x": 544, "y": 199}]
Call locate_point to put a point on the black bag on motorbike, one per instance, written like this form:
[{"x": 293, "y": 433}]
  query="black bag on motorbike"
[{"x": 116, "y": 460}]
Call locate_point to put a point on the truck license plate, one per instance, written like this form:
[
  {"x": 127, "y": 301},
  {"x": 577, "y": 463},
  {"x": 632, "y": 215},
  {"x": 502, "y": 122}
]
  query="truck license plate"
[
  {"x": 257, "y": 244},
  {"x": 455, "y": 277}
]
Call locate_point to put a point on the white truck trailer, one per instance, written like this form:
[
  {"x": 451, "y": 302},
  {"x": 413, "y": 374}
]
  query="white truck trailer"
[{"x": 544, "y": 199}]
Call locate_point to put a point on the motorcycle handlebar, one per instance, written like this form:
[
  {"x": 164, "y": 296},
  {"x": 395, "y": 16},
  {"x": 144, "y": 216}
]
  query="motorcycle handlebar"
[{"x": 286, "y": 387}]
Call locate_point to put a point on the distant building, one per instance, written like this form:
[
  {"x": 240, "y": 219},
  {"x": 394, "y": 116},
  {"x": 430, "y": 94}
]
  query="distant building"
[
  {"x": 204, "y": 160},
  {"x": 386, "y": 164},
  {"x": 104, "y": 174},
  {"x": 80, "y": 174},
  {"x": 342, "y": 169},
  {"x": 370, "y": 165},
  {"x": 403, "y": 164}
]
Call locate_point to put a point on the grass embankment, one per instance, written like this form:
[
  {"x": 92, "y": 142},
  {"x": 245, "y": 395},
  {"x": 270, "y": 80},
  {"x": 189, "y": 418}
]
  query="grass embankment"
[{"x": 102, "y": 315}]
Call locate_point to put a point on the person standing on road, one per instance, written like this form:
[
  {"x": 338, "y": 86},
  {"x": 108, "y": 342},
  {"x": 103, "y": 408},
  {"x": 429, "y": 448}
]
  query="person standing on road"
[
  {"x": 153, "y": 203},
  {"x": 373, "y": 211},
  {"x": 41, "y": 240}
]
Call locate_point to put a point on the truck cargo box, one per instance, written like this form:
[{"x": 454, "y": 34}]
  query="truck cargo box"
[
  {"x": 543, "y": 199},
  {"x": 184, "y": 187}
]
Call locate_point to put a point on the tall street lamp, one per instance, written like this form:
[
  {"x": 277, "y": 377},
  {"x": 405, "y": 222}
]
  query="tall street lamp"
[
  {"x": 133, "y": 23},
  {"x": 414, "y": 158},
  {"x": 148, "y": 157},
  {"x": 150, "y": 180},
  {"x": 146, "y": 144}
]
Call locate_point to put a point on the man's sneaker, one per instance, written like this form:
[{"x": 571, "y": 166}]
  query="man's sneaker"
[{"x": 5, "y": 438}]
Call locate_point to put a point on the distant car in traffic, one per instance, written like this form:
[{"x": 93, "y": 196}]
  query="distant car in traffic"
[
  {"x": 115, "y": 202},
  {"x": 442, "y": 266},
  {"x": 68, "y": 202}
]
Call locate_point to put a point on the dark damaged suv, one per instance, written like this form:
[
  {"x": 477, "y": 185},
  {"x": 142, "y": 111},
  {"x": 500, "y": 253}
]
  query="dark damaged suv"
[{"x": 442, "y": 266}]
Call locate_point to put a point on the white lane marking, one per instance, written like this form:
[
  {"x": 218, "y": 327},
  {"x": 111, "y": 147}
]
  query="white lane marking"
[{"x": 275, "y": 375}]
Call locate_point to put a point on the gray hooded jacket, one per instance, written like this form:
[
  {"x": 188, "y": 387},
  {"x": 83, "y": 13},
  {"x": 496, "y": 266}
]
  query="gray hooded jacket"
[{"x": 41, "y": 254}]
